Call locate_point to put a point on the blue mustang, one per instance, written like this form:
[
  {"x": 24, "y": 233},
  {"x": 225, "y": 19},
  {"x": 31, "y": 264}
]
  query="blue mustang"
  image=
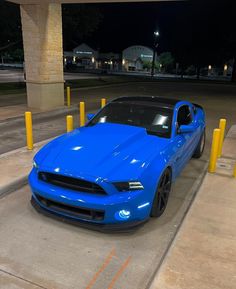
[{"x": 117, "y": 170}]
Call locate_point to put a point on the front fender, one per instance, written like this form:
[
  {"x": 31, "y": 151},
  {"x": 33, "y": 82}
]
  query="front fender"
[{"x": 151, "y": 176}]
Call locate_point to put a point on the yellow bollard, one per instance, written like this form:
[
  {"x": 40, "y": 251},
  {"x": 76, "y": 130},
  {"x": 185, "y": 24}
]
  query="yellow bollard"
[
  {"x": 234, "y": 173},
  {"x": 82, "y": 113},
  {"x": 222, "y": 126},
  {"x": 69, "y": 123},
  {"x": 103, "y": 102},
  {"x": 29, "y": 130},
  {"x": 68, "y": 96},
  {"x": 214, "y": 150}
]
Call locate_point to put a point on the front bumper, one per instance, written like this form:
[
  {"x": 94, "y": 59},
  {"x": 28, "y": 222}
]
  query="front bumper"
[
  {"x": 88, "y": 225},
  {"x": 108, "y": 207}
]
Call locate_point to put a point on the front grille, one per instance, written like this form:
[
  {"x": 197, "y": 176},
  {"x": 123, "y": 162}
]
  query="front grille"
[
  {"x": 71, "y": 183},
  {"x": 73, "y": 211}
]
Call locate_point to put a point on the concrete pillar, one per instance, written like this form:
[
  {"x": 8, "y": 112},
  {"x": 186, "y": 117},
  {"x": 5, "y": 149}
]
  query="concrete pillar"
[{"x": 42, "y": 35}]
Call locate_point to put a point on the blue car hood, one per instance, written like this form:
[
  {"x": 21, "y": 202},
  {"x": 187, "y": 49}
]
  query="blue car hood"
[{"x": 112, "y": 152}]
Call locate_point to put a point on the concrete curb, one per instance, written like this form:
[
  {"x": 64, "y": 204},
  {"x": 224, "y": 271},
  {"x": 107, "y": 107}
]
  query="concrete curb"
[
  {"x": 21, "y": 181},
  {"x": 107, "y": 85},
  {"x": 38, "y": 116},
  {"x": 36, "y": 145},
  {"x": 13, "y": 186}
]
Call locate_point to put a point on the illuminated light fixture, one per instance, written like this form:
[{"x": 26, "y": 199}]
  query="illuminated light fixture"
[
  {"x": 225, "y": 67},
  {"x": 74, "y": 58},
  {"x": 93, "y": 59},
  {"x": 123, "y": 61},
  {"x": 156, "y": 33},
  {"x": 83, "y": 52},
  {"x": 122, "y": 215},
  {"x": 111, "y": 62},
  {"x": 65, "y": 59},
  {"x": 209, "y": 67},
  {"x": 146, "y": 55},
  {"x": 160, "y": 65}
]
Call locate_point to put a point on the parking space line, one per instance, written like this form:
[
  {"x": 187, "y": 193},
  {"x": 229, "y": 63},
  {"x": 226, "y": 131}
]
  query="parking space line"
[
  {"x": 101, "y": 269},
  {"x": 119, "y": 272}
]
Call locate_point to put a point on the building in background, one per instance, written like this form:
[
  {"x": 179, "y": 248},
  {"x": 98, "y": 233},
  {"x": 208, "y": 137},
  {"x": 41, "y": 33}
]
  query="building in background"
[
  {"x": 134, "y": 57},
  {"x": 83, "y": 56},
  {"x": 110, "y": 61}
]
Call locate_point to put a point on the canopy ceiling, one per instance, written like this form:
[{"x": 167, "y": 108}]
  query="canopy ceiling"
[{"x": 80, "y": 1}]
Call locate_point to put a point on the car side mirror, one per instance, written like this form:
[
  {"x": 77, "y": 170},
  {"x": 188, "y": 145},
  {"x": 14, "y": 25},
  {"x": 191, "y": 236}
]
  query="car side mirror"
[
  {"x": 186, "y": 128},
  {"x": 90, "y": 116}
]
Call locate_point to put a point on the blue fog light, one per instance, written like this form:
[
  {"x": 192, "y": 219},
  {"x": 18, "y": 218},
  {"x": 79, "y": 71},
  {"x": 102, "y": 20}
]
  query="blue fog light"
[{"x": 122, "y": 215}]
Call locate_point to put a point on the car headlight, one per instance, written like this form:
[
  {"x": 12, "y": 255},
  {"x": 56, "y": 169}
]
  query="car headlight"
[
  {"x": 35, "y": 165},
  {"x": 128, "y": 186}
]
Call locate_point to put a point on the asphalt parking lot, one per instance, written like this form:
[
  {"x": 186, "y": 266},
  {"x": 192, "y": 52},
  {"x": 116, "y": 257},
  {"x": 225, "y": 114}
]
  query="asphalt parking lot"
[
  {"x": 16, "y": 75},
  {"x": 218, "y": 100}
]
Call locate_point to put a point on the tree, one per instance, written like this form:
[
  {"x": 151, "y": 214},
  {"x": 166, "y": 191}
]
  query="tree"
[
  {"x": 147, "y": 64},
  {"x": 79, "y": 22},
  {"x": 10, "y": 26},
  {"x": 166, "y": 60},
  {"x": 17, "y": 55}
]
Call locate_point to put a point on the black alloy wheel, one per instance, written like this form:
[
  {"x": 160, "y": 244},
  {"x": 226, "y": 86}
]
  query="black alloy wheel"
[{"x": 162, "y": 194}]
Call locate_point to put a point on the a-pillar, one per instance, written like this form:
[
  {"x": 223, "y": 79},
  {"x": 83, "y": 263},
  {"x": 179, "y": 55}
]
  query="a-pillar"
[{"x": 42, "y": 37}]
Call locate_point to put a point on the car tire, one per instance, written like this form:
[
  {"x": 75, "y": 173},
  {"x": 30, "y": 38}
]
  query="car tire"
[
  {"x": 162, "y": 194},
  {"x": 200, "y": 147}
]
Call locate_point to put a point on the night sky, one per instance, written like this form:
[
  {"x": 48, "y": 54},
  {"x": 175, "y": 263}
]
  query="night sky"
[
  {"x": 195, "y": 32},
  {"x": 186, "y": 28}
]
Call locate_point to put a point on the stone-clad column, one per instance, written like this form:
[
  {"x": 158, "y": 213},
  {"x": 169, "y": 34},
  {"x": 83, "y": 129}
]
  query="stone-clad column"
[{"x": 42, "y": 36}]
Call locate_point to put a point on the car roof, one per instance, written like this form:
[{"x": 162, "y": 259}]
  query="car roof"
[{"x": 149, "y": 100}]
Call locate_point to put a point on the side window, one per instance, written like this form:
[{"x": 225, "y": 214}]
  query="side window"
[{"x": 184, "y": 115}]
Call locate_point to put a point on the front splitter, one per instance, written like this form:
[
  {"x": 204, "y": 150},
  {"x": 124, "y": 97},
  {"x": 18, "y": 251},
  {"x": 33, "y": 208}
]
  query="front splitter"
[{"x": 121, "y": 227}]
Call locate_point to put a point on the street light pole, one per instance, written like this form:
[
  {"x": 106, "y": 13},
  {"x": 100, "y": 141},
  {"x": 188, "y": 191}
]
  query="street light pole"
[{"x": 156, "y": 34}]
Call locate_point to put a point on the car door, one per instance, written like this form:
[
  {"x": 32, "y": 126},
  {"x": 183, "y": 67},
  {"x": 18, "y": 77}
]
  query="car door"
[{"x": 184, "y": 141}]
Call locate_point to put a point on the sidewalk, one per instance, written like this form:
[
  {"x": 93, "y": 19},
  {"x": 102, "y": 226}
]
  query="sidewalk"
[
  {"x": 13, "y": 111},
  {"x": 16, "y": 112},
  {"x": 203, "y": 254},
  {"x": 15, "y": 167}
]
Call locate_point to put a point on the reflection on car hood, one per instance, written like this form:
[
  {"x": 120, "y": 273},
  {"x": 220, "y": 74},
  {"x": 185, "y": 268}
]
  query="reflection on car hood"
[{"x": 109, "y": 151}]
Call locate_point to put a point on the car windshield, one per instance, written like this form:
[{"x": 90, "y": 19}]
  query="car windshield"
[{"x": 155, "y": 120}]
